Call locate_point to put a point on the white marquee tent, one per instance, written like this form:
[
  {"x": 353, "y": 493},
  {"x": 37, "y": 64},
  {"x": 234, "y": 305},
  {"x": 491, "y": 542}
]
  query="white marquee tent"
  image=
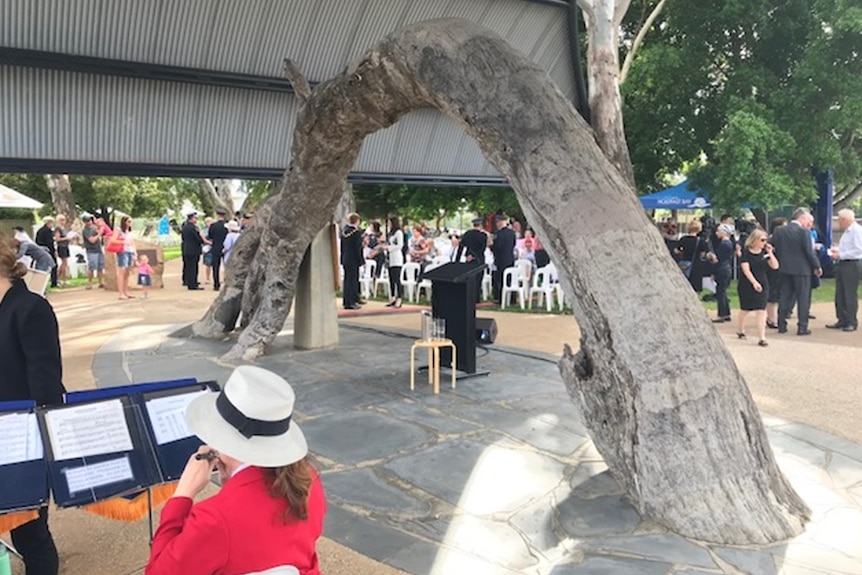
[{"x": 9, "y": 198}]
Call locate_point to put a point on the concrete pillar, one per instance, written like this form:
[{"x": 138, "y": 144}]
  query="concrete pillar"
[{"x": 315, "y": 322}]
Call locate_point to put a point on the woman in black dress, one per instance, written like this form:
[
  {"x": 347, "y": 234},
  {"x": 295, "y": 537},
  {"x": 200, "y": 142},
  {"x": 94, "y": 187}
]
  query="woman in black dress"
[{"x": 757, "y": 259}]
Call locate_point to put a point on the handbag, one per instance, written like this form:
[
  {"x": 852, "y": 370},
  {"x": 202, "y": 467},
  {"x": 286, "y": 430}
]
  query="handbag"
[{"x": 114, "y": 246}]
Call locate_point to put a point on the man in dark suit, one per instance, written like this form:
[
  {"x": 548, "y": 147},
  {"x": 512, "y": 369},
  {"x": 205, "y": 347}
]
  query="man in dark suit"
[
  {"x": 45, "y": 238},
  {"x": 504, "y": 255},
  {"x": 192, "y": 248},
  {"x": 797, "y": 262},
  {"x": 217, "y": 233},
  {"x": 351, "y": 259},
  {"x": 473, "y": 243}
]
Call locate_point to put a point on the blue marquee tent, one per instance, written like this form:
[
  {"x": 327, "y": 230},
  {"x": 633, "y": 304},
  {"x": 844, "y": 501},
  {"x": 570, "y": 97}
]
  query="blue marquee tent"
[{"x": 678, "y": 197}]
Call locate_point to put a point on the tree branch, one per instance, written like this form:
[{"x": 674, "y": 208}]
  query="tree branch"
[
  {"x": 620, "y": 9},
  {"x": 297, "y": 79},
  {"x": 849, "y": 198},
  {"x": 639, "y": 40},
  {"x": 587, "y": 6}
]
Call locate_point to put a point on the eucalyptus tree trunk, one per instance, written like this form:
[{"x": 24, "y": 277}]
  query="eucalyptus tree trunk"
[
  {"x": 63, "y": 199},
  {"x": 603, "y": 19},
  {"x": 660, "y": 393}
]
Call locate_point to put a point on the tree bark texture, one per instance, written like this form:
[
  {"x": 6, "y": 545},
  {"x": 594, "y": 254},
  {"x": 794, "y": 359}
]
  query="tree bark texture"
[
  {"x": 63, "y": 199},
  {"x": 664, "y": 401},
  {"x": 603, "y": 18}
]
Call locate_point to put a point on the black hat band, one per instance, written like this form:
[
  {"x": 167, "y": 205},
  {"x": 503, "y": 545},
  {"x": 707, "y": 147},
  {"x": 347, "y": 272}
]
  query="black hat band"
[{"x": 247, "y": 426}]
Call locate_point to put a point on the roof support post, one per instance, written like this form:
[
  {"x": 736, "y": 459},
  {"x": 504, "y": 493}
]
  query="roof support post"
[{"x": 582, "y": 104}]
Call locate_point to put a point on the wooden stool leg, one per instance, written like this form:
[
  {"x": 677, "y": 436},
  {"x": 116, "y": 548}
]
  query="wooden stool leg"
[
  {"x": 430, "y": 365},
  {"x": 436, "y": 370},
  {"x": 412, "y": 367},
  {"x": 454, "y": 364}
]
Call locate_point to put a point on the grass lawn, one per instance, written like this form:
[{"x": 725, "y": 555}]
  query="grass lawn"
[{"x": 825, "y": 293}]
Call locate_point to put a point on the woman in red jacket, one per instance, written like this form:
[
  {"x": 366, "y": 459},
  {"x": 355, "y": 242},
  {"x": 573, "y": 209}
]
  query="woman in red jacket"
[{"x": 269, "y": 512}]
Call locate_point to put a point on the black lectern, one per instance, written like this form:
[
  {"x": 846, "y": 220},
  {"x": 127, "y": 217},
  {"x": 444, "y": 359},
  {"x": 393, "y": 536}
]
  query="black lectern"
[{"x": 453, "y": 298}]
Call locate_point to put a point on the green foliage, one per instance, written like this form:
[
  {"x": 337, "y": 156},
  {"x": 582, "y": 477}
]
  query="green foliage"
[
  {"x": 147, "y": 197},
  {"x": 748, "y": 166},
  {"x": 782, "y": 81},
  {"x": 431, "y": 203}
]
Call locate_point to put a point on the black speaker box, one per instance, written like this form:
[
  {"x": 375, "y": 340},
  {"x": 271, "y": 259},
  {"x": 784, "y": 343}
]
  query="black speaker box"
[{"x": 486, "y": 330}]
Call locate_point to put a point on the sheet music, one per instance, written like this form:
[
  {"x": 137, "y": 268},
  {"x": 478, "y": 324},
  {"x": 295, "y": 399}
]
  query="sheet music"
[
  {"x": 91, "y": 429},
  {"x": 168, "y": 416},
  {"x": 20, "y": 438},
  {"x": 98, "y": 474}
]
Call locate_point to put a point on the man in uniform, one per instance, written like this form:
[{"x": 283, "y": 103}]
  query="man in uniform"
[
  {"x": 192, "y": 248},
  {"x": 218, "y": 232},
  {"x": 352, "y": 259},
  {"x": 474, "y": 242},
  {"x": 504, "y": 255}
]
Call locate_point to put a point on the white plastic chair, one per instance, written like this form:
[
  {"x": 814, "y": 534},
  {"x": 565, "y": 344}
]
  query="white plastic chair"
[
  {"x": 366, "y": 277},
  {"x": 513, "y": 284},
  {"x": 409, "y": 279},
  {"x": 487, "y": 283},
  {"x": 542, "y": 287},
  {"x": 526, "y": 267},
  {"x": 382, "y": 281},
  {"x": 426, "y": 284}
]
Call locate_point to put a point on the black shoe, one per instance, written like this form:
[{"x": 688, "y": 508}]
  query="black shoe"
[
  {"x": 354, "y": 306},
  {"x": 762, "y": 343},
  {"x": 740, "y": 335},
  {"x": 803, "y": 332},
  {"x": 196, "y": 288},
  {"x": 782, "y": 329},
  {"x": 848, "y": 328},
  {"x": 771, "y": 325},
  {"x": 721, "y": 319},
  {"x": 836, "y": 325},
  {"x": 390, "y": 304},
  {"x": 362, "y": 302},
  {"x": 811, "y": 316}
]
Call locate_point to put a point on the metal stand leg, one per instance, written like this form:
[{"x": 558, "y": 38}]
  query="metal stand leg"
[{"x": 150, "y": 513}]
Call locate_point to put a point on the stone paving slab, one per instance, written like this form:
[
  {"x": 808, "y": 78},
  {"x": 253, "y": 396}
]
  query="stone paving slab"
[{"x": 498, "y": 476}]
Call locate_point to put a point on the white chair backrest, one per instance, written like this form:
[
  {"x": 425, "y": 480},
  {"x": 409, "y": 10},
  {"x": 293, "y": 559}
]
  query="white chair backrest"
[
  {"x": 552, "y": 269},
  {"x": 511, "y": 276},
  {"x": 369, "y": 268},
  {"x": 542, "y": 278},
  {"x": 525, "y": 266},
  {"x": 282, "y": 570},
  {"x": 409, "y": 272},
  {"x": 26, "y": 260},
  {"x": 384, "y": 273}
]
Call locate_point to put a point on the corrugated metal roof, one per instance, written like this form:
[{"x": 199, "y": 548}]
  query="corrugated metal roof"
[
  {"x": 49, "y": 114},
  {"x": 66, "y": 115}
]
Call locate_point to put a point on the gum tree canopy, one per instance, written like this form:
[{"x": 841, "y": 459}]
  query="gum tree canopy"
[{"x": 664, "y": 402}]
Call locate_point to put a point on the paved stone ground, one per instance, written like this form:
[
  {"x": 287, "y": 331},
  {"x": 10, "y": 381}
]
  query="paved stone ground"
[{"x": 498, "y": 476}]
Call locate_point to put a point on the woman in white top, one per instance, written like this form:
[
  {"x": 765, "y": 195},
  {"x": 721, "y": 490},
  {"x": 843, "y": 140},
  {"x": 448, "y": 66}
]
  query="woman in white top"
[{"x": 395, "y": 248}]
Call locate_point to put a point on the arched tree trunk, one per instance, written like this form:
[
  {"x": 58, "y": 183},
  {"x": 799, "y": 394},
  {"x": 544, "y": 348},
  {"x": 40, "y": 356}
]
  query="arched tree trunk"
[{"x": 661, "y": 395}]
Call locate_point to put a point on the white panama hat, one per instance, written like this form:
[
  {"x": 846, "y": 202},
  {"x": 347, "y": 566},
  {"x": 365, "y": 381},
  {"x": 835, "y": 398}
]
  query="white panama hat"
[{"x": 250, "y": 419}]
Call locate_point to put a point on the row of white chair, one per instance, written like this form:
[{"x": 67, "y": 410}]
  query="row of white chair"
[
  {"x": 543, "y": 288},
  {"x": 519, "y": 281}
]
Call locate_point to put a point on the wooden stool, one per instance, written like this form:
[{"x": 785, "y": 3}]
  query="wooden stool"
[{"x": 433, "y": 346}]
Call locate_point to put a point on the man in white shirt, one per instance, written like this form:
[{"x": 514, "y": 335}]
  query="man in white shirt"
[{"x": 848, "y": 269}]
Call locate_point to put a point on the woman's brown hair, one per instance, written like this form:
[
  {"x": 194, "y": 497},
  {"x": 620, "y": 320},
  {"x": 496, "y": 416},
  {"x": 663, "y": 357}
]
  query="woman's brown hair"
[
  {"x": 10, "y": 267},
  {"x": 293, "y": 483}
]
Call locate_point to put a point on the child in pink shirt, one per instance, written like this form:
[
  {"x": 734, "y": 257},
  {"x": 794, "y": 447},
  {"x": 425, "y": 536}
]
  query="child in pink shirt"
[{"x": 145, "y": 274}]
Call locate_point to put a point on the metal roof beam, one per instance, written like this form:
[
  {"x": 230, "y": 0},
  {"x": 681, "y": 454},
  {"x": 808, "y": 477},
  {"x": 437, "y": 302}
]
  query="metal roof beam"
[
  {"x": 92, "y": 168},
  {"x": 140, "y": 70}
]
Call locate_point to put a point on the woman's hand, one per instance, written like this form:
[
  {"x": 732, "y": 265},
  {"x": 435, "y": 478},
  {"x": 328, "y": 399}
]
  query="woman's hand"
[
  {"x": 196, "y": 475},
  {"x": 757, "y": 287}
]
